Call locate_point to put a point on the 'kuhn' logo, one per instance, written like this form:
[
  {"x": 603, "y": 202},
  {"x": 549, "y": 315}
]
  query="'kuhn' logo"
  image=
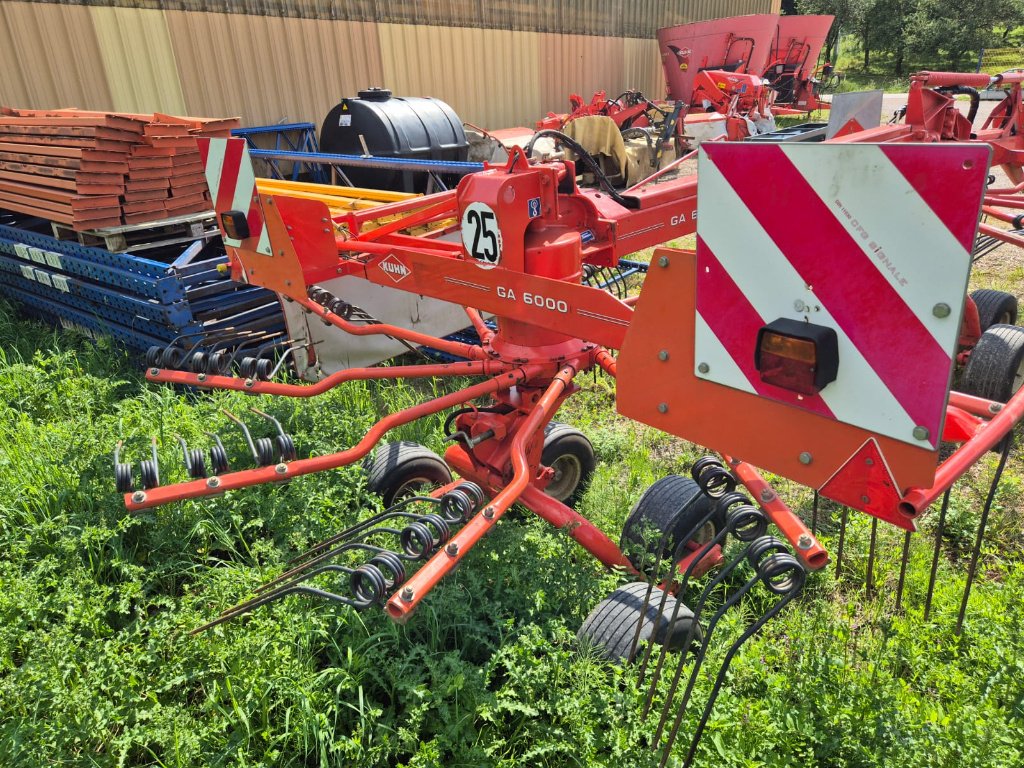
[{"x": 395, "y": 269}]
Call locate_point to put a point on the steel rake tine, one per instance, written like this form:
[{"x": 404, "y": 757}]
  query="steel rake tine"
[
  {"x": 358, "y": 527},
  {"x": 699, "y": 662},
  {"x": 324, "y": 556},
  {"x": 742, "y": 521},
  {"x": 814, "y": 515},
  {"x": 935, "y": 554},
  {"x": 869, "y": 575},
  {"x": 903, "y": 571},
  {"x": 683, "y": 583},
  {"x": 251, "y": 605},
  {"x": 842, "y": 541},
  {"x": 658, "y": 556},
  {"x": 671, "y": 570},
  {"x": 697, "y": 610},
  {"x": 972, "y": 569},
  {"x": 781, "y": 561},
  {"x": 299, "y": 569}
]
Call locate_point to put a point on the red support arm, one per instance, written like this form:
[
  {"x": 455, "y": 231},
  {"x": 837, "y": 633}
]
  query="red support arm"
[
  {"x": 401, "y": 606},
  {"x": 469, "y": 368},
  {"x": 212, "y": 486}
]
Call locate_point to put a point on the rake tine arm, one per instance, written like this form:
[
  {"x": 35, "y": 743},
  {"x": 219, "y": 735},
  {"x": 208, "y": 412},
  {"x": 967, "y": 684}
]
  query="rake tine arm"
[
  {"x": 374, "y": 520},
  {"x": 251, "y": 605},
  {"x": 401, "y": 606},
  {"x": 732, "y": 600},
  {"x": 469, "y": 368},
  {"x": 333, "y": 552},
  {"x": 286, "y": 471},
  {"x": 772, "y": 568},
  {"x": 362, "y": 525}
]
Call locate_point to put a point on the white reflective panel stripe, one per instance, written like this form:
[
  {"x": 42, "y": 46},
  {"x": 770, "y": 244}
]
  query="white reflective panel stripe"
[
  {"x": 772, "y": 286},
  {"x": 263, "y": 246},
  {"x": 215, "y": 165},
  {"x": 245, "y": 185},
  {"x": 910, "y": 229},
  {"x": 718, "y": 359}
]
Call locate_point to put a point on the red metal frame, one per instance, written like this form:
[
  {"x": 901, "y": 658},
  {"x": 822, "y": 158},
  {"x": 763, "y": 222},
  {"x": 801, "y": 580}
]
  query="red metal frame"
[{"x": 550, "y": 329}]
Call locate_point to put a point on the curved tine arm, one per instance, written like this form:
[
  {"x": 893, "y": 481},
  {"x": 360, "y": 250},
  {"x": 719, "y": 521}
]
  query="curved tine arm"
[
  {"x": 283, "y": 590},
  {"x": 733, "y": 599},
  {"x": 251, "y": 605},
  {"x": 733, "y": 523},
  {"x": 356, "y": 540},
  {"x": 443, "y": 561},
  {"x": 697, "y": 610},
  {"x": 352, "y": 530},
  {"x": 292, "y": 573},
  {"x": 717, "y": 539},
  {"x": 469, "y": 368},
  {"x": 795, "y": 588},
  {"x": 245, "y": 432},
  {"x": 469, "y": 351},
  {"x": 279, "y": 472}
]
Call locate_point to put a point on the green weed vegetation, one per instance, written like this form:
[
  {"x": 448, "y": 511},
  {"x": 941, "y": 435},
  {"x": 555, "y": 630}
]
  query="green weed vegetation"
[{"x": 97, "y": 667}]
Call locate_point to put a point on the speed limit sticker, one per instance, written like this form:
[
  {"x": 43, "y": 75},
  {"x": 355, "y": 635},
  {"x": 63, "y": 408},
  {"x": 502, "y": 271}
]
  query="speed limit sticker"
[{"x": 480, "y": 234}]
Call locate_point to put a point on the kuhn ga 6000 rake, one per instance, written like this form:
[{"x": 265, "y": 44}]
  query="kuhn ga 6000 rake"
[{"x": 813, "y": 332}]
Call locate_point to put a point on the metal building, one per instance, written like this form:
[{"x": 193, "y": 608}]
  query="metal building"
[{"x": 497, "y": 62}]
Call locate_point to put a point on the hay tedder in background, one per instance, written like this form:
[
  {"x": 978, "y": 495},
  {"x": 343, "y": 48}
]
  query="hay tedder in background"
[
  {"x": 821, "y": 352},
  {"x": 725, "y": 78}
]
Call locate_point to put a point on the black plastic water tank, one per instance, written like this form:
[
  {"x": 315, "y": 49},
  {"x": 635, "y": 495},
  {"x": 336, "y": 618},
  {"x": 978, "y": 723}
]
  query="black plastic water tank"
[{"x": 393, "y": 126}]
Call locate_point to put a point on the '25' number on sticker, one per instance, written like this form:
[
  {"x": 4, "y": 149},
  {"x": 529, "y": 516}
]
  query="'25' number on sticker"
[{"x": 480, "y": 234}]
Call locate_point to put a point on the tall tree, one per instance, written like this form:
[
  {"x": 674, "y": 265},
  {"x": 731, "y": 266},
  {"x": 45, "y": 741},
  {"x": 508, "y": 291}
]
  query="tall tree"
[
  {"x": 951, "y": 34},
  {"x": 849, "y": 19}
]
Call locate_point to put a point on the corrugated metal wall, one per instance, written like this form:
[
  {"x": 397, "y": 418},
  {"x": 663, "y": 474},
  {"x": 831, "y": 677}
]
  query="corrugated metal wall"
[{"x": 498, "y": 63}]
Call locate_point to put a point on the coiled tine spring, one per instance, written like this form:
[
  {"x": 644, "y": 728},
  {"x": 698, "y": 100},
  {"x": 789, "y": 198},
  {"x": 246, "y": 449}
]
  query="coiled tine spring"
[
  {"x": 150, "y": 468},
  {"x": 245, "y": 433},
  {"x": 285, "y": 444},
  {"x": 193, "y": 458},
  {"x": 218, "y": 454},
  {"x": 122, "y": 471}
]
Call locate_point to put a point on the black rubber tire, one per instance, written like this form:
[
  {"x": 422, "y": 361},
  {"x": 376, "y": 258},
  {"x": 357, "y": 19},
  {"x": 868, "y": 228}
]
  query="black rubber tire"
[
  {"x": 666, "y": 507},
  {"x": 995, "y": 368},
  {"x": 568, "y": 452},
  {"x": 397, "y": 470},
  {"x": 611, "y": 626},
  {"x": 995, "y": 307}
]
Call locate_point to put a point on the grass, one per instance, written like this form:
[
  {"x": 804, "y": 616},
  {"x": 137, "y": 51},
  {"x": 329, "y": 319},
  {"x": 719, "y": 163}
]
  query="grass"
[{"x": 97, "y": 667}]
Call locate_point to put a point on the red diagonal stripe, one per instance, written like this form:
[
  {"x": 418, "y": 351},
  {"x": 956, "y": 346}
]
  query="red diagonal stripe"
[
  {"x": 735, "y": 323},
  {"x": 229, "y": 174},
  {"x": 857, "y": 295},
  {"x": 204, "y": 149},
  {"x": 956, "y": 204}
]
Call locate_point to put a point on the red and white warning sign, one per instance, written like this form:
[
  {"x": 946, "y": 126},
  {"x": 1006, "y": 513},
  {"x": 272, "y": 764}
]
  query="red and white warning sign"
[
  {"x": 803, "y": 233},
  {"x": 232, "y": 183}
]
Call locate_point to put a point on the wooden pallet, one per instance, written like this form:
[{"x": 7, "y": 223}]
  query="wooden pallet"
[{"x": 129, "y": 238}]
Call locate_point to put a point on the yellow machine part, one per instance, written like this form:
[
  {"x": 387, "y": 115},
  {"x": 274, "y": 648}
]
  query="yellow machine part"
[{"x": 339, "y": 200}]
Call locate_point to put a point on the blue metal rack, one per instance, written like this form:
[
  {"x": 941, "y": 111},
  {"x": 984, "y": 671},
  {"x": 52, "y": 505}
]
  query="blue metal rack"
[
  {"x": 287, "y": 137},
  {"x": 139, "y": 301}
]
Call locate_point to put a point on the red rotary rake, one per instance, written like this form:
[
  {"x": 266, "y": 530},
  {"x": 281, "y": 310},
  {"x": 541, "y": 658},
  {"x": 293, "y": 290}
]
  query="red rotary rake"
[{"x": 814, "y": 333}]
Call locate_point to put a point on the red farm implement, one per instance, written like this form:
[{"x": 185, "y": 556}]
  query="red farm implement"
[{"x": 821, "y": 352}]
